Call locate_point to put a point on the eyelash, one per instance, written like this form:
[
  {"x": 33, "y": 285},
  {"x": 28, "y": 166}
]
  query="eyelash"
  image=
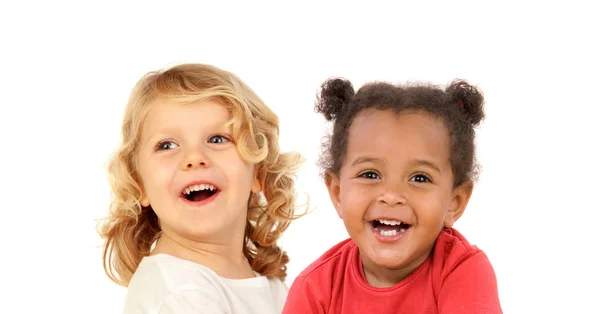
[
  {"x": 159, "y": 146},
  {"x": 367, "y": 172},
  {"x": 362, "y": 174},
  {"x": 428, "y": 180},
  {"x": 225, "y": 138}
]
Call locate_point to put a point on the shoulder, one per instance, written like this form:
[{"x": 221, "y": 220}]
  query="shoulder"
[
  {"x": 311, "y": 291},
  {"x": 162, "y": 279},
  {"x": 452, "y": 248},
  {"x": 463, "y": 277},
  {"x": 337, "y": 256},
  {"x": 279, "y": 292},
  {"x": 164, "y": 269},
  {"x": 277, "y": 286}
]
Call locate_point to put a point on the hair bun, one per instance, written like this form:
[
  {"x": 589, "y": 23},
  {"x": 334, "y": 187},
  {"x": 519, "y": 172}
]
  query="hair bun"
[
  {"x": 469, "y": 99},
  {"x": 335, "y": 94}
]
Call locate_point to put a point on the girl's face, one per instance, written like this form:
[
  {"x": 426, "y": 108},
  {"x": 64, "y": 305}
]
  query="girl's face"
[
  {"x": 191, "y": 172},
  {"x": 395, "y": 189}
]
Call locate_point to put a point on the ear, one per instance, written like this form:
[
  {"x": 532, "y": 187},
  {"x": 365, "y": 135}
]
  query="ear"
[
  {"x": 460, "y": 199},
  {"x": 144, "y": 201},
  {"x": 256, "y": 182},
  {"x": 333, "y": 186}
]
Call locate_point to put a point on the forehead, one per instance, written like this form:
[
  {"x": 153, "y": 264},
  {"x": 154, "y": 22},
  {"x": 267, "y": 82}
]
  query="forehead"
[
  {"x": 169, "y": 114},
  {"x": 411, "y": 135}
]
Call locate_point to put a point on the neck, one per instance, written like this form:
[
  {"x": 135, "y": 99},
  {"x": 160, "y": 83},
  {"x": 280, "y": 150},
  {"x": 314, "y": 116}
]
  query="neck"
[
  {"x": 225, "y": 259},
  {"x": 383, "y": 277}
]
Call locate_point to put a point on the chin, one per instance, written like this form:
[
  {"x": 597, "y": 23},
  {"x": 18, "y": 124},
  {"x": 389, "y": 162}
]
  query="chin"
[
  {"x": 201, "y": 229},
  {"x": 389, "y": 260}
]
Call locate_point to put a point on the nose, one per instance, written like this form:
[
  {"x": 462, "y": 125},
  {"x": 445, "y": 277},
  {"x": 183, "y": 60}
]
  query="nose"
[
  {"x": 195, "y": 159},
  {"x": 392, "y": 195}
]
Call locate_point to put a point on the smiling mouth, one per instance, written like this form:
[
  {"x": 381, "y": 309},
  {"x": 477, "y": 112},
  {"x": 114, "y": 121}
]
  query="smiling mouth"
[
  {"x": 199, "y": 192},
  {"x": 389, "y": 227}
]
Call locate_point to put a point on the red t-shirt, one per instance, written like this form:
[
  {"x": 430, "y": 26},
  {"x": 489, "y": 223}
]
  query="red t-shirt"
[{"x": 456, "y": 278}]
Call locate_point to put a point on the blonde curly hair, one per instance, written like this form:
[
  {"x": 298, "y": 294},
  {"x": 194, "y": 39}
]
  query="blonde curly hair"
[{"x": 130, "y": 230}]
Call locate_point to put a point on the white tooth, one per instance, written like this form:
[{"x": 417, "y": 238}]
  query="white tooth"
[
  {"x": 402, "y": 230},
  {"x": 389, "y": 233},
  {"x": 389, "y": 222},
  {"x": 199, "y": 187}
]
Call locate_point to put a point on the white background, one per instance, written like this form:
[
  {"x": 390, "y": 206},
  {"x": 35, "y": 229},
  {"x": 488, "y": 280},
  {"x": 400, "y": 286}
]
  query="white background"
[{"x": 66, "y": 70}]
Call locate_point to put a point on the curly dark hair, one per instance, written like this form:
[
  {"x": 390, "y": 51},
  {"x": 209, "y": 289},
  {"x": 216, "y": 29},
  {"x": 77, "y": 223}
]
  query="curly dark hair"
[{"x": 459, "y": 105}]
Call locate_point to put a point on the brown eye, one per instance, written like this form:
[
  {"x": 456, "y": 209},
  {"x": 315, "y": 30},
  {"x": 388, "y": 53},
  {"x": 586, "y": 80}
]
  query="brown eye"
[
  {"x": 420, "y": 178},
  {"x": 370, "y": 175}
]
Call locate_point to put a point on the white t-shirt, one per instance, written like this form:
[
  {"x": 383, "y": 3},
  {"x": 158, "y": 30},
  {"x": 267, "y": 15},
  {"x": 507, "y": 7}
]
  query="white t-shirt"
[{"x": 164, "y": 284}]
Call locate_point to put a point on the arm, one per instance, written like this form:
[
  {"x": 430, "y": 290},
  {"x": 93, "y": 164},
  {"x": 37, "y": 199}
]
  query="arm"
[
  {"x": 470, "y": 288},
  {"x": 301, "y": 300},
  {"x": 193, "y": 301}
]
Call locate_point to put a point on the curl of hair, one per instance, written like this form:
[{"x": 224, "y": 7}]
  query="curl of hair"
[
  {"x": 471, "y": 98},
  {"x": 334, "y": 96},
  {"x": 130, "y": 230}
]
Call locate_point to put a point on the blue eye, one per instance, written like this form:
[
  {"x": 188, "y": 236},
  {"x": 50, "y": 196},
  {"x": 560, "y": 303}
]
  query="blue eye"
[
  {"x": 420, "y": 178},
  {"x": 371, "y": 175},
  {"x": 166, "y": 145},
  {"x": 217, "y": 139}
]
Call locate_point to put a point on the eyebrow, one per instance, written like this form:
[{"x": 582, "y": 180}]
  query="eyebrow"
[
  {"x": 362, "y": 160},
  {"x": 419, "y": 162},
  {"x": 159, "y": 134},
  {"x": 169, "y": 131},
  {"x": 428, "y": 164}
]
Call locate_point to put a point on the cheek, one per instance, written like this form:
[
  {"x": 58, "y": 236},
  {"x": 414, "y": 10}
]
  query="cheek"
[
  {"x": 432, "y": 209},
  {"x": 156, "y": 177},
  {"x": 354, "y": 200},
  {"x": 236, "y": 170}
]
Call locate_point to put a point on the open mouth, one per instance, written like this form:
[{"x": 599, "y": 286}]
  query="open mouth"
[
  {"x": 389, "y": 227},
  {"x": 199, "y": 192}
]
